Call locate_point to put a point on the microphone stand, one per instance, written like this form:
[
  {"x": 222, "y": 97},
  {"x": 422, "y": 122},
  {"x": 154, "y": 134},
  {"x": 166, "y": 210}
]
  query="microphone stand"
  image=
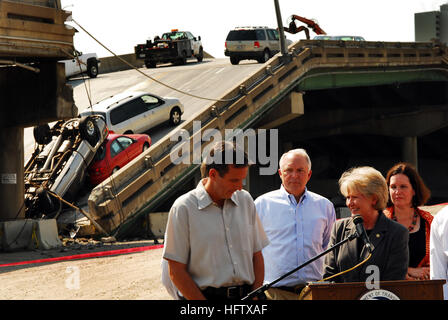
[{"x": 266, "y": 286}]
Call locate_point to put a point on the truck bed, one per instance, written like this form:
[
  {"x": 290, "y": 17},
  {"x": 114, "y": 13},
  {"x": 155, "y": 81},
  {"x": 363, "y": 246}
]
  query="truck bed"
[{"x": 161, "y": 51}]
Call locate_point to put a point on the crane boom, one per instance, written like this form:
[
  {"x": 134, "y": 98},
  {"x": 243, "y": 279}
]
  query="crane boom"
[{"x": 292, "y": 28}]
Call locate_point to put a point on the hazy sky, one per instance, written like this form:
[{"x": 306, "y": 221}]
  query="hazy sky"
[{"x": 120, "y": 25}]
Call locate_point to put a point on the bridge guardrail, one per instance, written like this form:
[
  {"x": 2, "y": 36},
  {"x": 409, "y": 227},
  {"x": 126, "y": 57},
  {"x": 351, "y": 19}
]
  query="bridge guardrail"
[{"x": 140, "y": 186}]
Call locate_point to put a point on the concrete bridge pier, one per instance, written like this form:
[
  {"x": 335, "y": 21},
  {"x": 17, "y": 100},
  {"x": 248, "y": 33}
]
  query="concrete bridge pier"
[
  {"x": 11, "y": 174},
  {"x": 409, "y": 151},
  {"x": 16, "y": 232}
]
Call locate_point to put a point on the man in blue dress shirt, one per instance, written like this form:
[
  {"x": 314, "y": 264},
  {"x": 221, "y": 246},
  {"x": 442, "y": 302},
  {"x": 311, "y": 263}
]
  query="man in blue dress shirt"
[{"x": 298, "y": 223}]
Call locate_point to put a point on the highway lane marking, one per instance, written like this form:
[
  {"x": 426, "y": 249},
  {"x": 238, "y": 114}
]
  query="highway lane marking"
[
  {"x": 138, "y": 87},
  {"x": 143, "y": 86},
  {"x": 220, "y": 70}
]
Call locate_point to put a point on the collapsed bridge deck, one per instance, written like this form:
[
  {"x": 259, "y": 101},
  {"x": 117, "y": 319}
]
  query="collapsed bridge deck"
[{"x": 150, "y": 179}]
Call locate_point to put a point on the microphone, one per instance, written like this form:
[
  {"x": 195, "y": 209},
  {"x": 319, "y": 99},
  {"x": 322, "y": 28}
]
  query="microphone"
[{"x": 361, "y": 231}]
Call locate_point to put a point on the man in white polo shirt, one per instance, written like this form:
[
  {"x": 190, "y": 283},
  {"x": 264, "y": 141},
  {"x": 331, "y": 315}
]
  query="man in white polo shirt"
[{"x": 214, "y": 237}]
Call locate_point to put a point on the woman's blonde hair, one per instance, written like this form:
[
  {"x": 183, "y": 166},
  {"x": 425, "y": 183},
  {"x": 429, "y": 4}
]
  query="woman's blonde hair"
[{"x": 367, "y": 181}]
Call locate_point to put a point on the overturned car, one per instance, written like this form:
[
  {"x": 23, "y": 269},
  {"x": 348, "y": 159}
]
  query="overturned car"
[{"x": 57, "y": 168}]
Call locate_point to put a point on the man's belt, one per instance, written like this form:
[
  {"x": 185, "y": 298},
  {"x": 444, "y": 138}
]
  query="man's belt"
[{"x": 223, "y": 293}]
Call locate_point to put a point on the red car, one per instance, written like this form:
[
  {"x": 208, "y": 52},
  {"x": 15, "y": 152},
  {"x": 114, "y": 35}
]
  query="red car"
[{"x": 116, "y": 151}]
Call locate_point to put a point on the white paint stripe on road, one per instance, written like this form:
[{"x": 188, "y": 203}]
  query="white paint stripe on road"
[
  {"x": 143, "y": 85},
  {"x": 219, "y": 71}
]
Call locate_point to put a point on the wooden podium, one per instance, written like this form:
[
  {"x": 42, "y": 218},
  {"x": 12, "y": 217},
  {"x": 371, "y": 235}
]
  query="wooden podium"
[{"x": 389, "y": 290}]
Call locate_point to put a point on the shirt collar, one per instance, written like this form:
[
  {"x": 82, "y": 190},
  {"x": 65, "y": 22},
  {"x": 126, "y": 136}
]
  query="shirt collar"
[
  {"x": 204, "y": 199},
  {"x": 291, "y": 198}
]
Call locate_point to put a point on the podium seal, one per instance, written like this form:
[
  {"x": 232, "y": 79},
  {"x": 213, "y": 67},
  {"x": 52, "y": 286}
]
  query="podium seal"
[{"x": 379, "y": 294}]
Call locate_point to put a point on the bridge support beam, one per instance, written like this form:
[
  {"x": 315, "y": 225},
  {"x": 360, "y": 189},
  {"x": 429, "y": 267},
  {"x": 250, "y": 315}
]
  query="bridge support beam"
[{"x": 288, "y": 109}]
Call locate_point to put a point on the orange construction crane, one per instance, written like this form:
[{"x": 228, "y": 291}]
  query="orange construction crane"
[{"x": 310, "y": 24}]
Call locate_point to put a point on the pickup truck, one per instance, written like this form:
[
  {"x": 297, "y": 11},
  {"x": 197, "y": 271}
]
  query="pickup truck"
[
  {"x": 88, "y": 63},
  {"x": 59, "y": 163},
  {"x": 175, "y": 47}
]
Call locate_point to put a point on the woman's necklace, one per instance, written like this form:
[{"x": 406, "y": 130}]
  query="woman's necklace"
[{"x": 413, "y": 223}]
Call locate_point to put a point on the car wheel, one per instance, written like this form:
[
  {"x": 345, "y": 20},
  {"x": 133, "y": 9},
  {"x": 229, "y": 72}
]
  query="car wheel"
[
  {"x": 175, "y": 116},
  {"x": 266, "y": 56},
  {"x": 42, "y": 134},
  {"x": 183, "y": 58},
  {"x": 234, "y": 60},
  {"x": 92, "y": 68},
  {"x": 145, "y": 147},
  {"x": 200, "y": 56},
  {"x": 115, "y": 170},
  {"x": 89, "y": 130}
]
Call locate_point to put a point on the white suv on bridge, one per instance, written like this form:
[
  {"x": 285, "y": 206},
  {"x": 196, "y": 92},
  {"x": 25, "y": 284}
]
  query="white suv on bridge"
[{"x": 258, "y": 43}]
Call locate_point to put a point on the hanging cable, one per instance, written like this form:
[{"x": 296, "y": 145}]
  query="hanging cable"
[
  {"x": 88, "y": 91},
  {"x": 153, "y": 79},
  {"x": 79, "y": 62},
  {"x": 100, "y": 228}
]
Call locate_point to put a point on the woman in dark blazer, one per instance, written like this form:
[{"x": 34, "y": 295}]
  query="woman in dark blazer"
[{"x": 366, "y": 194}]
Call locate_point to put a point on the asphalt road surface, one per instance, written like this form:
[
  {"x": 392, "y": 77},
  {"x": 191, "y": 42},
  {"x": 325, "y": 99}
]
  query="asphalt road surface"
[{"x": 212, "y": 78}]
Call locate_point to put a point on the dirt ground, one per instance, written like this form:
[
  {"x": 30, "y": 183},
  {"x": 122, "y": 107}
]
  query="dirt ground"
[{"x": 133, "y": 276}]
